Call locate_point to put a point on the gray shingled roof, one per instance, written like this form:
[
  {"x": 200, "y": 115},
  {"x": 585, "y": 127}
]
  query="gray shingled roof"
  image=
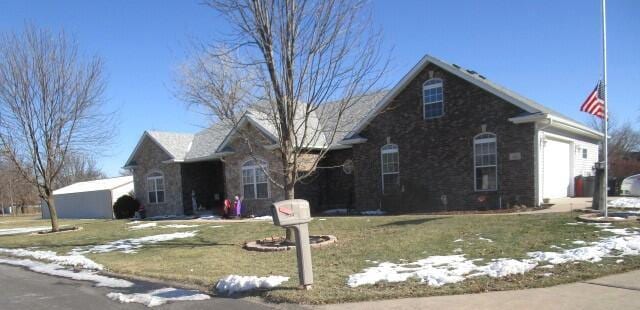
[
  {"x": 176, "y": 144},
  {"x": 206, "y": 142},
  {"x": 360, "y": 108},
  {"x": 182, "y": 146}
]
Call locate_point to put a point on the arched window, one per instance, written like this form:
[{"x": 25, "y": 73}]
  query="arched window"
[
  {"x": 485, "y": 162},
  {"x": 255, "y": 184},
  {"x": 433, "y": 98},
  {"x": 155, "y": 187},
  {"x": 390, "y": 166}
]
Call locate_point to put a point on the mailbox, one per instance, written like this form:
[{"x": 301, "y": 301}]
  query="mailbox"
[
  {"x": 294, "y": 214},
  {"x": 290, "y": 212}
]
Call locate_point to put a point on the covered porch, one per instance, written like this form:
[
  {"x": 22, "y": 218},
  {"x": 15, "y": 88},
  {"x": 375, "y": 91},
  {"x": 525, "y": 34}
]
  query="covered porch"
[{"x": 203, "y": 187}]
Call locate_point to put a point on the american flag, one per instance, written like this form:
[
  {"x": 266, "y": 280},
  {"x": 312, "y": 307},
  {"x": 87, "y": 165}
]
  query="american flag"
[{"x": 595, "y": 103}]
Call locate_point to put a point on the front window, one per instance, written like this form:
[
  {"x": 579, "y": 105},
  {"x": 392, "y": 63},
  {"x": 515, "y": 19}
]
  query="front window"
[
  {"x": 433, "y": 98},
  {"x": 255, "y": 184},
  {"x": 155, "y": 187},
  {"x": 485, "y": 162},
  {"x": 390, "y": 166}
]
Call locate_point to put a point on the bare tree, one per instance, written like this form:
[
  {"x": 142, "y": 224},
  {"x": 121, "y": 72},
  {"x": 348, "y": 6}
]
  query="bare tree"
[
  {"x": 285, "y": 61},
  {"x": 50, "y": 106},
  {"x": 14, "y": 189},
  {"x": 78, "y": 168}
]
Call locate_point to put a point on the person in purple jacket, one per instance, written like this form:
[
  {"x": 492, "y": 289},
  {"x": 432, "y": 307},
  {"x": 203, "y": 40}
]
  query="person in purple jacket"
[{"x": 238, "y": 204}]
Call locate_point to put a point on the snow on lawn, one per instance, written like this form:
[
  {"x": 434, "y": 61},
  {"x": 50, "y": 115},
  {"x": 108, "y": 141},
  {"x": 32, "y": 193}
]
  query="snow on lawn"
[
  {"x": 159, "y": 297},
  {"x": 627, "y": 202},
  {"x": 263, "y": 218},
  {"x": 235, "y": 284},
  {"x": 143, "y": 226},
  {"x": 131, "y": 245},
  {"x": 75, "y": 260},
  {"x": 440, "y": 270},
  {"x": 179, "y": 226},
  {"x": 335, "y": 212},
  {"x": 22, "y": 230},
  {"x": 373, "y": 212},
  {"x": 59, "y": 271},
  {"x": 485, "y": 239}
]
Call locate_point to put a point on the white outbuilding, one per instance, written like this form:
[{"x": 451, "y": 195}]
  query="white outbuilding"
[{"x": 90, "y": 199}]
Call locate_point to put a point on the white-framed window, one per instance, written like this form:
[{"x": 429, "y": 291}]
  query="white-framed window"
[
  {"x": 255, "y": 184},
  {"x": 485, "y": 160},
  {"x": 390, "y": 161},
  {"x": 584, "y": 153},
  {"x": 155, "y": 188},
  {"x": 432, "y": 99}
]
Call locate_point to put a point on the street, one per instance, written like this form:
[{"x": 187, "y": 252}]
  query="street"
[{"x": 25, "y": 290}]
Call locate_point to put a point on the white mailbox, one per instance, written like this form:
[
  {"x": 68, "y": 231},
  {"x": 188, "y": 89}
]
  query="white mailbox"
[
  {"x": 295, "y": 214},
  {"x": 290, "y": 212}
]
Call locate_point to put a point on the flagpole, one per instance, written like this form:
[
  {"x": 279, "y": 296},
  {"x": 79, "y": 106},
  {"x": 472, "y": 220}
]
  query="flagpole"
[{"x": 606, "y": 104}]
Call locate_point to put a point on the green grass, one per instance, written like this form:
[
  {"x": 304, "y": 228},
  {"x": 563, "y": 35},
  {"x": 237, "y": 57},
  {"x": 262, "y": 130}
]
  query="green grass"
[{"x": 217, "y": 252}]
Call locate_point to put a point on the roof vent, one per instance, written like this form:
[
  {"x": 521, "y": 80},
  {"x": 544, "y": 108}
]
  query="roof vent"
[
  {"x": 482, "y": 76},
  {"x": 472, "y": 72},
  {"x": 458, "y": 67}
]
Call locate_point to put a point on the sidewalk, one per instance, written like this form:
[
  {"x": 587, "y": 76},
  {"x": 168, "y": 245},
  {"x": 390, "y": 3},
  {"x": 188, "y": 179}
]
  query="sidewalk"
[{"x": 620, "y": 291}]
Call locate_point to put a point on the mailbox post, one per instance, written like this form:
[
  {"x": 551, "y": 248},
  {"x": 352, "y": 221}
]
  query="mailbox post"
[{"x": 294, "y": 213}]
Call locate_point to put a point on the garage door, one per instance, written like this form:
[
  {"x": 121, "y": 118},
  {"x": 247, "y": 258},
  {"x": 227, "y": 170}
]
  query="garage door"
[{"x": 557, "y": 171}]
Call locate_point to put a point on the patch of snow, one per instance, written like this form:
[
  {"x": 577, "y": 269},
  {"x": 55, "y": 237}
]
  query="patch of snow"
[
  {"x": 547, "y": 274},
  {"x": 485, "y": 239},
  {"x": 458, "y": 240},
  {"x": 143, "y": 226},
  {"x": 179, "y": 226},
  {"x": 322, "y": 219},
  {"x": 335, "y": 212},
  {"x": 547, "y": 266},
  {"x": 131, "y": 245},
  {"x": 65, "y": 260},
  {"x": 574, "y": 223},
  {"x": 235, "y": 284},
  {"x": 555, "y": 247},
  {"x": 59, "y": 271},
  {"x": 626, "y": 202},
  {"x": 373, "y": 212},
  {"x": 578, "y": 242},
  {"x": 458, "y": 250},
  {"x": 615, "y": 218},
  {"x": 22, "y": 230},
  {"x": 134, "y": 223},
  {"x": 210, "y": 217},
  {"x": 158, "y": 297},
  {"x": 619, "y": 231},
  {"x": 618, "y": 261},
  {"x": 263, "y": 218},
  {"x": 217, "y": 226},
  {"x": 440, "y": 270}
]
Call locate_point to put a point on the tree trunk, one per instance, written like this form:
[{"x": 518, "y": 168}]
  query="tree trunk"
[
  {"x": 52, "y": 212},
  {"x": 289, "y": 193}
]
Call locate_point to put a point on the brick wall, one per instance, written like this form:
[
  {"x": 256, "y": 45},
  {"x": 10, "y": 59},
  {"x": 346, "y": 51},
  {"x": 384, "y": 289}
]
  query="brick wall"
[
  {"x": 149, "y": 159},
  {"x": 436, "y": 155}
]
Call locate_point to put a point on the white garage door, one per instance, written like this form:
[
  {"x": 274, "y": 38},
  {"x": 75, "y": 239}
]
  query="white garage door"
[{"x": 557, "y": 171}]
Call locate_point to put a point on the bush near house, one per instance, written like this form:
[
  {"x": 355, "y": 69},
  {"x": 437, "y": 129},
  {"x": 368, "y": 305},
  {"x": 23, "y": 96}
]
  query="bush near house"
[{"x": 125, "y": 207}]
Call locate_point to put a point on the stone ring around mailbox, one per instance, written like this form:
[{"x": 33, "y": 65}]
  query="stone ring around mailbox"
[{"x": 295, "y": 214}]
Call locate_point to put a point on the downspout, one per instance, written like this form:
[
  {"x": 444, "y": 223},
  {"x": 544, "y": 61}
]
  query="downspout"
[{"x": 536, "y": 162}]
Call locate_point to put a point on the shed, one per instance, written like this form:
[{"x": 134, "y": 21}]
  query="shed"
[{"x": 90, "y": 199}]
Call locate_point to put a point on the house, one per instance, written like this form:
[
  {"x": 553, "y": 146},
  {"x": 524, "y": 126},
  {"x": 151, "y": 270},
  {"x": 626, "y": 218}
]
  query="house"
[
  {"x": 444, "y": 138},
  {"x": 90, "y": 199}
]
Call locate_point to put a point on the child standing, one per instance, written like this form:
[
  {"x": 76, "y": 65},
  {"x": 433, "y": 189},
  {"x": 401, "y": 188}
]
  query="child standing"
[{"x": 238, "y": 205}]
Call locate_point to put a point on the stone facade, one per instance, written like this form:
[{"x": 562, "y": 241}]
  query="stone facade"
[
  {"x": 149, "y": 159},
  {"x": 436, "y": 155},
  {"x": 241, "y": 154}
]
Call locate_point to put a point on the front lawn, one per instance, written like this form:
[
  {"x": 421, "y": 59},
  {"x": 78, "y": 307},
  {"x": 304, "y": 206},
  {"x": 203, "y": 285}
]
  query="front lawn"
[{"x": 216, "y": 252}]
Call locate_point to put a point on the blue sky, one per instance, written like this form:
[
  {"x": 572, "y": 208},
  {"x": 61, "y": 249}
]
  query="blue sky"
[{"x": 549, "y": 51}]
